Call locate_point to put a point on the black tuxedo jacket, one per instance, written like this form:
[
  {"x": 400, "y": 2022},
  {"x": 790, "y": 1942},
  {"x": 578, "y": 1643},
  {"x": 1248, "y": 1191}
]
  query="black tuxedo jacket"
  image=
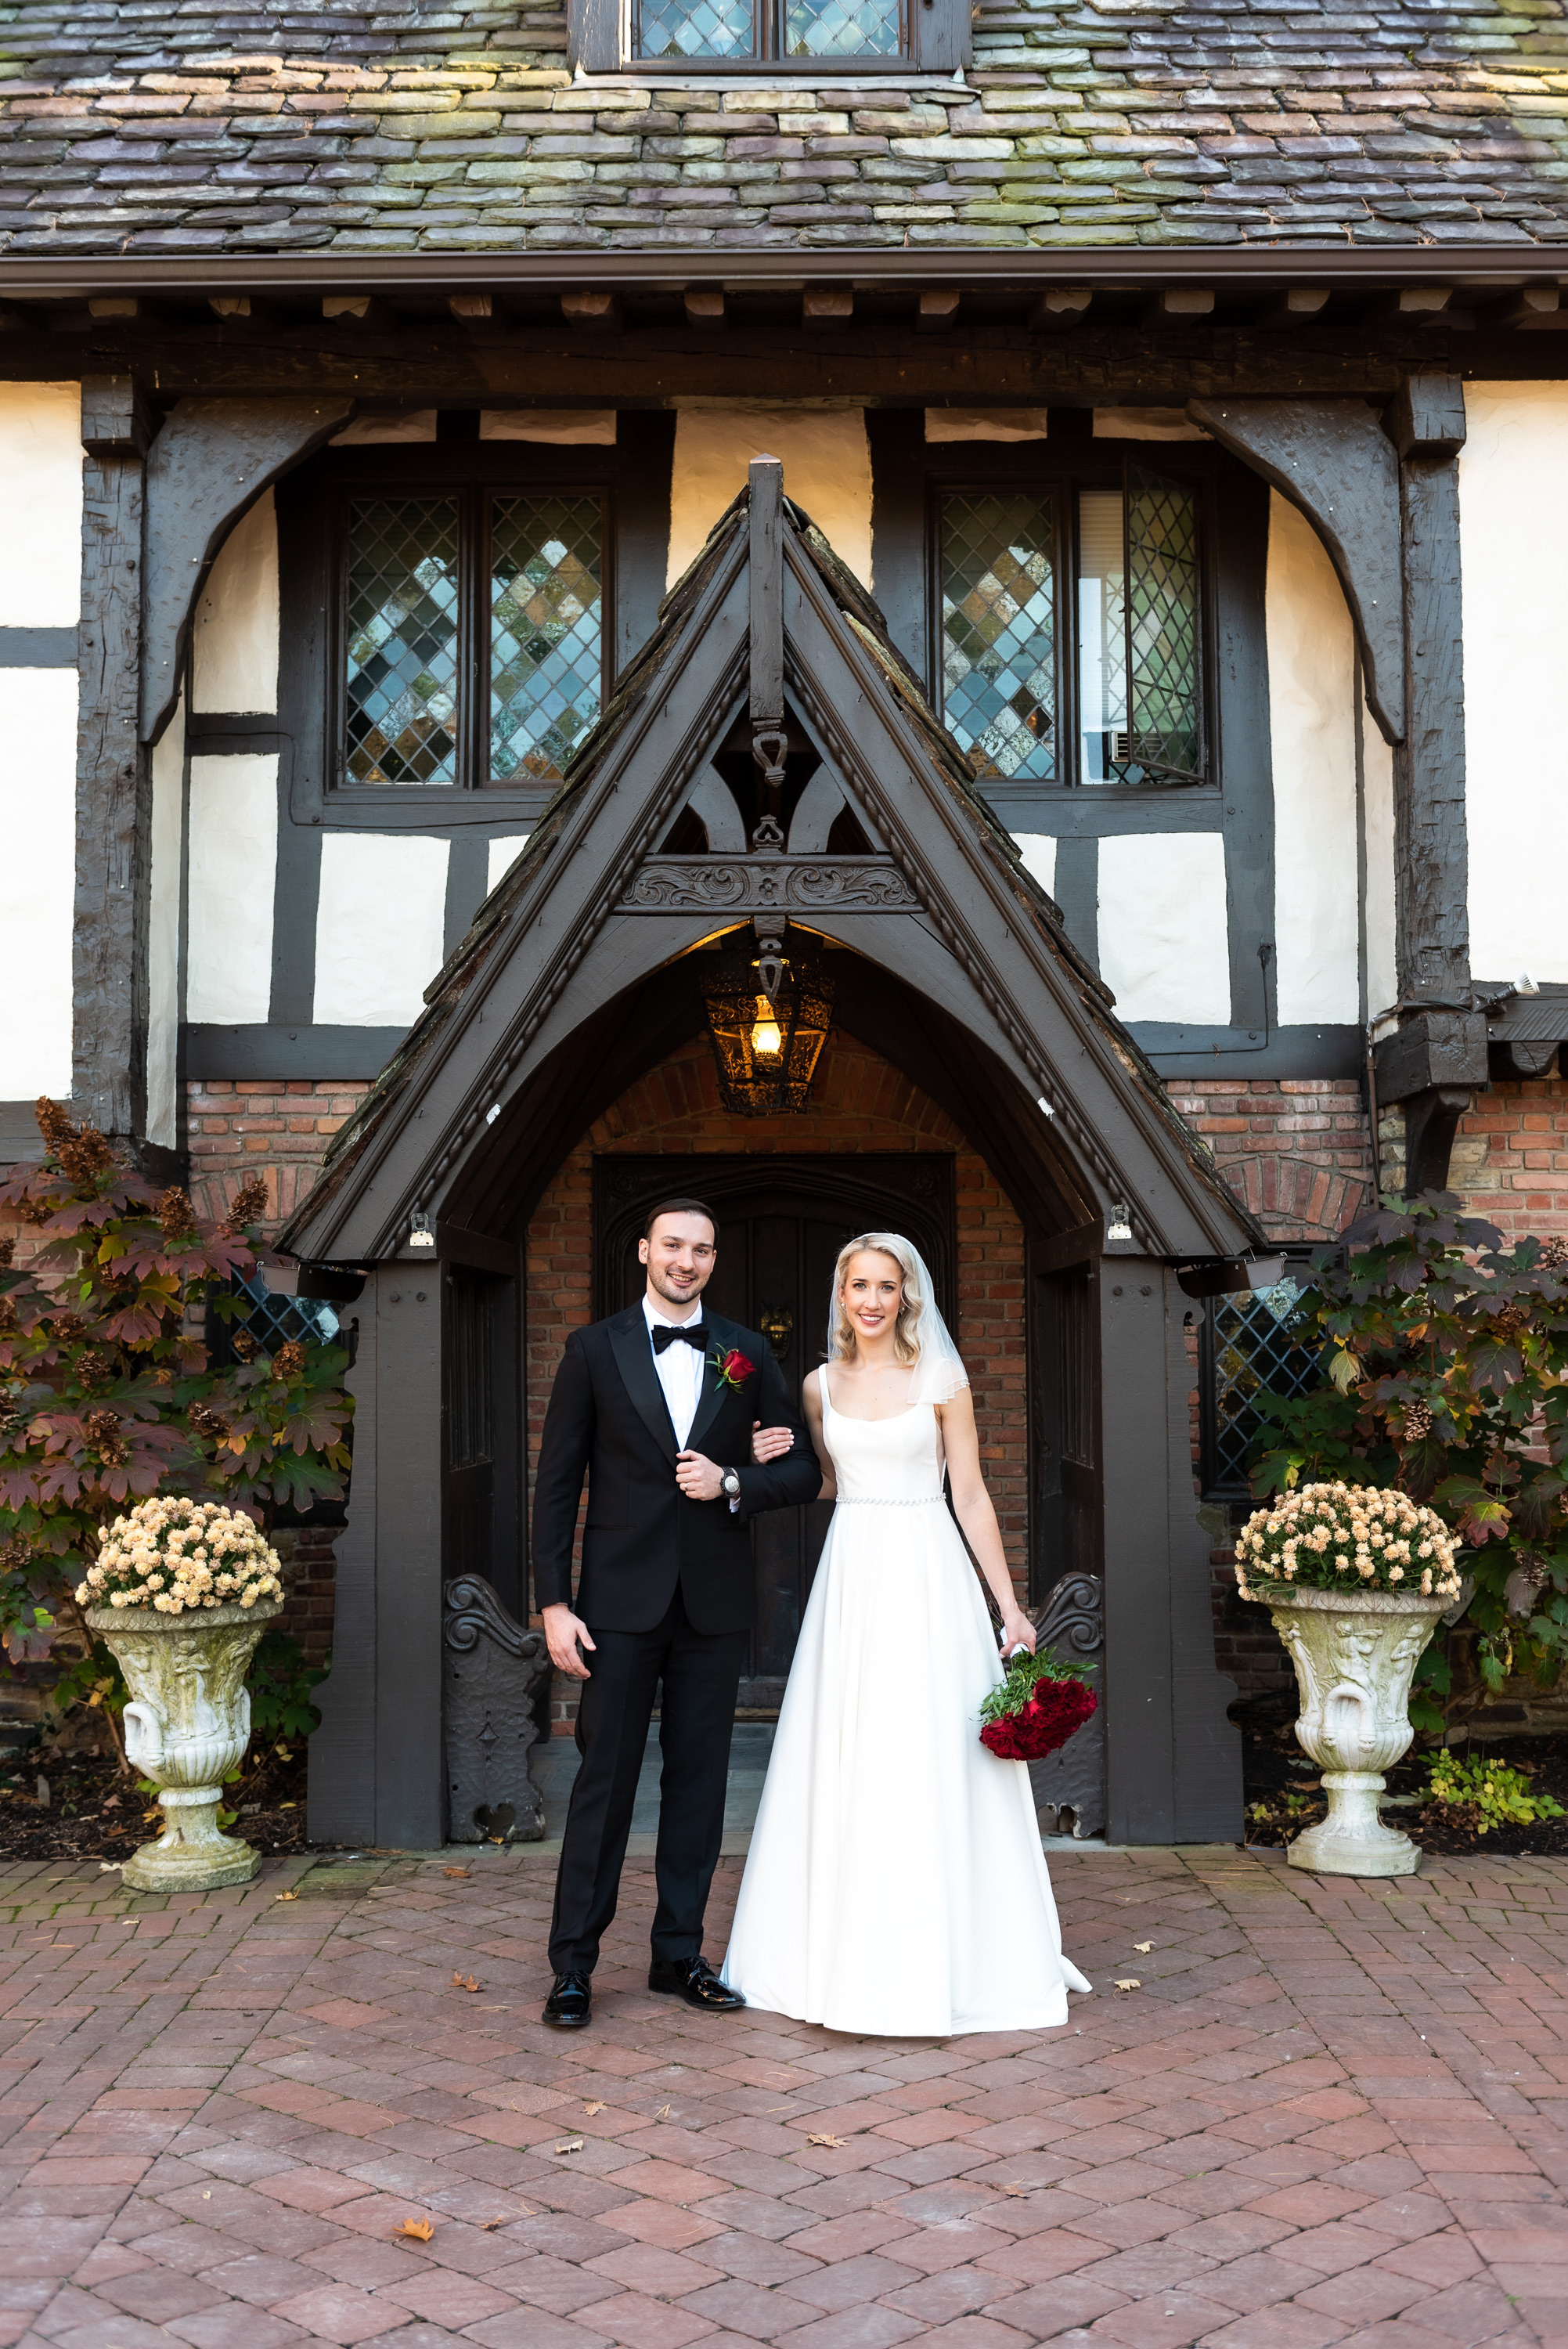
[{"x": 607, "y": 1413}]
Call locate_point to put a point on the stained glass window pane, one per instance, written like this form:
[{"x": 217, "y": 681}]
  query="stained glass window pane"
[
  {"x": 1102, "y": 637},
  {"x": 1260, "y": 1342},
  {"x": 998, "y": 631},
  {"x": 402, "y": 667},
  {"x": 840, "y": 28},
  {"x": 695, "y": 28},
  {"x": 1162, "y": 590},
  {"x": 545, "y": 631}
]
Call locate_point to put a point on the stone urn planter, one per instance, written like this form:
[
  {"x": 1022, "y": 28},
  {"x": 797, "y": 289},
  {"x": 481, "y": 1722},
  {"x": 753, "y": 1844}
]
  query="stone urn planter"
[
  {"x": 187, "y": 1727},
  {"x": 1353, "y": 1653},
  {"x": 1356, "y": 1579}
]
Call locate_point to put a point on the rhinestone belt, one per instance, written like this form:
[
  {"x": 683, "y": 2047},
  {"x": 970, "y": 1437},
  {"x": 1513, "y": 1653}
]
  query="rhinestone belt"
[{"x": 889, "y": 1501}]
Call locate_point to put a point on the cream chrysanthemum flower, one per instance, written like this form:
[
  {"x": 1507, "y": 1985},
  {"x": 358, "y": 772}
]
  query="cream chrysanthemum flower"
[{"x": 162, "y": 1553}]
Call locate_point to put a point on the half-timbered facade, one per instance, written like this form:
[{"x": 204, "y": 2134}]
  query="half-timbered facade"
[{"x": 1117, "y": 709}]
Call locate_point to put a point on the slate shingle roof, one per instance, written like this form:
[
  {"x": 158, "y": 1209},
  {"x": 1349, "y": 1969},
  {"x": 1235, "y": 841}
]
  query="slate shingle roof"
[{"x": 189, "y": 127}]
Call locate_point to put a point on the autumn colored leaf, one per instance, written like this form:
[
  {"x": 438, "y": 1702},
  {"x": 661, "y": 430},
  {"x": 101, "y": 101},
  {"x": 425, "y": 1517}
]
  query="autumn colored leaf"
[
  {"x": 285, "y": 1896},
  {"x": 1131, "y": 1982},
  {"x": 466, "y": 1981},
  {"x": 570, "y": 2145},
  {"x": 419, "y": 2230},
  {"x": 597, "y": 2107},
  {"x": 1143, "y": 1947},
  {"x": 817, "y": 2138},
  {"x": 454, "y": 1871}
]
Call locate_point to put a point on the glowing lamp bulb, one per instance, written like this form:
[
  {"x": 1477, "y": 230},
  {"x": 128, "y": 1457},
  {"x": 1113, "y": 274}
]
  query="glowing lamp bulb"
[{"x": 766, "y": 1042}]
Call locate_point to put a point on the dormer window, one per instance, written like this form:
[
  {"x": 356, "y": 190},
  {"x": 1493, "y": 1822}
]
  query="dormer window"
[{"x": 807, "y": 37}]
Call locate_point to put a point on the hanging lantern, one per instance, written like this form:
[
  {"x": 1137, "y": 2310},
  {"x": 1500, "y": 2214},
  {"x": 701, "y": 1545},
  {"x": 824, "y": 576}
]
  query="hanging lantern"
[{"x": 768, "y": 1014}]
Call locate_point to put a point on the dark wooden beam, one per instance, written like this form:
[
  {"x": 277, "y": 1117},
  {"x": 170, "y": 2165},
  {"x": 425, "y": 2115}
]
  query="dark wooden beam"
[
  {"x": 1333, "y": 460},
  {"x": 766, "y": 703},
  {"x": 1431, "y": 862},
  {"x": 108, "y": 1077},
  {"x": 704, "y": 307},
  {"x": 1527, "y": 305},
  {"x": 208, "y": 465},
  {"x": 938, "y": 310},
  {"x": 645, "y": 442}
]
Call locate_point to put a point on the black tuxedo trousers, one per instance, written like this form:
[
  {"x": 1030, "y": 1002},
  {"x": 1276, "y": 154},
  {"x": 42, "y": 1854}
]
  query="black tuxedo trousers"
[{"x": 668, "y": 1591}]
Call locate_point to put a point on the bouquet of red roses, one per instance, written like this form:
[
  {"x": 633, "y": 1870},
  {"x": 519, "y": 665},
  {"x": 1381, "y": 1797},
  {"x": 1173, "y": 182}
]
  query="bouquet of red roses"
[{"x": 1036, "y": 1708}]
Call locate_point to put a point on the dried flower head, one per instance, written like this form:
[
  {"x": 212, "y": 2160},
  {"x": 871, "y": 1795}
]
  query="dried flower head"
[
  {"x": 67, "y": 1328},
  {"x": 7, "y": 1250},
  {"x": 250, "y": 1205},
  {"x": 1418, "y": 1422},
  {"x": 93, "y": 1367},
  {"x": 1554, "y": 1253},
  {"x": 1509, "y": 1318},
  {"x": 207, "y": 1422},
  {"x": 177, "y": 1214},
  {"x": 288, "y": 1362},
  {"x": 101, "y": 1429},
  {"x": 244, "y": 1346},
  {"x": 14, "y": 1554},
  {"x": 27, "y": 1210},
  {"x": 53, "y": 1124}
]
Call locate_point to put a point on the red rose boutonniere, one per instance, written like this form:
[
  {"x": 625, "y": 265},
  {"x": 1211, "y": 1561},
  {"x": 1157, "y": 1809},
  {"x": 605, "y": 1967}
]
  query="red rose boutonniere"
[{"x": 733, "y": 1369}]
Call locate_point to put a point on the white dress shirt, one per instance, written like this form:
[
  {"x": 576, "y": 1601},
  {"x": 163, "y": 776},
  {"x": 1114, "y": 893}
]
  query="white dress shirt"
[{"x": 679, "y": 1368}]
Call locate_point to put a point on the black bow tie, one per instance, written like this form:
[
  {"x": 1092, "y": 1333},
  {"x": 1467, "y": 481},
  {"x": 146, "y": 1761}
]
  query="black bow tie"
[{"x": 689, "y": 1334}]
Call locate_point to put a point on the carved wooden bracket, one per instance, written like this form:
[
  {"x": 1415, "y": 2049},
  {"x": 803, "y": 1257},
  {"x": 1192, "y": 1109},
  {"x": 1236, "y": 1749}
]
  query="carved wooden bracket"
[
  {"x": 492, "y": 1666},
  {"x": 209, "y": 464},
  {"x": 1333, "y": 459},
  {"x": 713, "y": 885}
]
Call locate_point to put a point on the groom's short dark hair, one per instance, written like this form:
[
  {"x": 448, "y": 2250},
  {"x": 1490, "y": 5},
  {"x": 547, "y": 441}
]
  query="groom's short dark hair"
[{"x": 679, "y": 1208}]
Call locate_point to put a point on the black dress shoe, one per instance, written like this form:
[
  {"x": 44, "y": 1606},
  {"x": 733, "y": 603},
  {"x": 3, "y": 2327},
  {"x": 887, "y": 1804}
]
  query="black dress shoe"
[
  {"x": 570, "y": 2005},
  {"x": 694, "y": 1979}
]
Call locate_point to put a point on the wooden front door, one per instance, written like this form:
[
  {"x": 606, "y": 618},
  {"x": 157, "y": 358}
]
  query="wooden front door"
[{"x": 781, "y": 1223}]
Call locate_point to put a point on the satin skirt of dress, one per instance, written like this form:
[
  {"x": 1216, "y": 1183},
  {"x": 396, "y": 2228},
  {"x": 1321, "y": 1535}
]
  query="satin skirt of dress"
[{"x": 895, "y": 1883}]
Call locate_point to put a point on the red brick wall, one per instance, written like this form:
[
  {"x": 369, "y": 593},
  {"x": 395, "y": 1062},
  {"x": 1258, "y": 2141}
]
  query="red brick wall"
[
  {"x": 859, "y": 1102},
  {"x": 1510, "y": 1158},
  {"x": 1296, "y": 1151},
  {"x": 279, "y": 1131}
]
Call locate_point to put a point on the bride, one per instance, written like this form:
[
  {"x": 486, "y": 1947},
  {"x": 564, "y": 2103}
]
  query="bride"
[{"x": 895, "y": 1882}]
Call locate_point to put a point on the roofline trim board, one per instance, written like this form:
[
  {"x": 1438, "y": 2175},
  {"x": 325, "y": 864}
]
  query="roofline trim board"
[{"x": 869, "y": 268}]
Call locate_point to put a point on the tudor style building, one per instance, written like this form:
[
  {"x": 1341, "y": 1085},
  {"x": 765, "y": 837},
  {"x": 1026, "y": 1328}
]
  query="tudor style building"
[{"x": 1087, "y": 801}]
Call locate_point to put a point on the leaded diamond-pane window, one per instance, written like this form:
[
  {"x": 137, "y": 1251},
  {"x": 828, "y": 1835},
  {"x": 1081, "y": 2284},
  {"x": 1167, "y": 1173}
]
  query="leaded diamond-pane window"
[
  {"x": 473, "y": 631},
  {"x": 402, "y": 681},
  {"x": 695, "y": 28},
  {"x": 1258, "y": 1342},
  {"x": 998, "y": 631},
  {"x": 1094, "y": 584},
  {"x": 544, "y": 633},
  {"x": 754, "y": 30}
]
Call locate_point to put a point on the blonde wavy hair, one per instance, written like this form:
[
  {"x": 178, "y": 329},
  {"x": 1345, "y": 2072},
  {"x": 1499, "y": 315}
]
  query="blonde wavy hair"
[{"x": 911, "y": 1301}]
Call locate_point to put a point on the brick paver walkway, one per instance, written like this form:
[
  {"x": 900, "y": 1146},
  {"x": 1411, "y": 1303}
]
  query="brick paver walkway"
[{"x": 1330, "y": 2113}]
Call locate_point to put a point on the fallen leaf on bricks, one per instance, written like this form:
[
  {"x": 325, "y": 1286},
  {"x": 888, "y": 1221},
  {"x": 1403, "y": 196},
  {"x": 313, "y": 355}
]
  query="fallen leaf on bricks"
[
  {"x": 570, "y": 2145},
  {"x": 1132, "y": 1982},
  {"x": 663, "y": 2113},
  {"x": 1143, "y": 1947},
  {"x": 488, "y": 2224},
  {"x": 465, "y": 1981},
  {"x": 422, "y": 2229},
  {"x": 592, "y": 2109},
  {"x": 285, "y": 1896},
  {"x": 834, "y": 2141},
  {"x": 454, "y": 1871},
  {"x": 1008, "y": 2186}
]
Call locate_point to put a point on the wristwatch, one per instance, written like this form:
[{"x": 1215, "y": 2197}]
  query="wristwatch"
[{"x": 731, "y": 1483}]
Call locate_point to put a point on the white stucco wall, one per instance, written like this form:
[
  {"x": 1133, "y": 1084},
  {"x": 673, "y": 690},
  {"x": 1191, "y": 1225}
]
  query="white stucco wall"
[
  {"x": 827, "y": 466},
  {"x": 1038, "y": 850},
  {"x": 38, "y": 878},
  {"x": 1164, "y": 942},
  {"x": 168, "y": 833},
  {"x": 41, "y": 505},
  {"x": 380, "y": 926},
  {"x": 1311, "y": 724},
  {"x": 1514, "y": 528},
  {"x": 504, "y": 854},
  {"x": 233, "y": 857},
  {"x": 235, "y": 634}
]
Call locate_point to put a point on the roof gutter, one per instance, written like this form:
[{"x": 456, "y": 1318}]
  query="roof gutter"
[{"x": 1255, "y": 266}]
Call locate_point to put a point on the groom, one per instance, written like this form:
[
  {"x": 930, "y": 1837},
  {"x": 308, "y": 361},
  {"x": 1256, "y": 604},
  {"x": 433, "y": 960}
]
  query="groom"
[{"x": 658, "y": 1404}]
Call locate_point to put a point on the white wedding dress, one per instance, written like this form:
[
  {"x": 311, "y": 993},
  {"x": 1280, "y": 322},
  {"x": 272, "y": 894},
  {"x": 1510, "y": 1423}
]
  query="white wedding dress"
[{"x": 895, "y": 1882}]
